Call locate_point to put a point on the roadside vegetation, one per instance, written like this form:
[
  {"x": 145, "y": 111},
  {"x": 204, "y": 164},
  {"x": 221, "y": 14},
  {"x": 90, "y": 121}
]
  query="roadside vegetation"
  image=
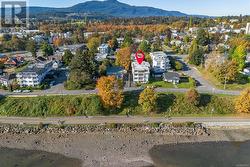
[{"x": 157, "y": 104}]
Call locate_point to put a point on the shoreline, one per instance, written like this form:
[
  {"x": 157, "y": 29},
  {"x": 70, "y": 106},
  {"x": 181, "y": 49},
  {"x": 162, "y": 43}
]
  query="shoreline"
[{"x": 112, "y": 148}]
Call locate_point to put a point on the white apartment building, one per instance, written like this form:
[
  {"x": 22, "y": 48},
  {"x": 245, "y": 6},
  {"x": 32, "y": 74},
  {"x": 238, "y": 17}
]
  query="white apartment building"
[
  {"x": 140, "y": 72},
  {"x": 160, "y": 62},
  {"x": 103, "y": 49},
  {"x": 248, "y": 28},
  {"x": 33, "y": 75}
]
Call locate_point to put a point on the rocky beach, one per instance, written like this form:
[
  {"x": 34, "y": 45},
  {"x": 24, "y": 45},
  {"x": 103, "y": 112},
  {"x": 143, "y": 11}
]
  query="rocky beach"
[{"x": 115, "y": 145}]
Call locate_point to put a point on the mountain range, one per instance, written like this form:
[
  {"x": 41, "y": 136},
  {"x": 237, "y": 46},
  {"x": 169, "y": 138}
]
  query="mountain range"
[{"x": 111, "y": 8}]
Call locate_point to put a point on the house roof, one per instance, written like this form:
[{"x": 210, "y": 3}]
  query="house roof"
[
  {"x": 2, "y": 56},
  {"x": 8, "y": 77},
  {"x": 171, "y": 75},
  {"x": 115, "y": 70}
]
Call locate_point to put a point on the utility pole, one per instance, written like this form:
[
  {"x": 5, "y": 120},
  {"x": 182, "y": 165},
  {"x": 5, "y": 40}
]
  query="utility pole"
[{"x": 225, "y": 83}]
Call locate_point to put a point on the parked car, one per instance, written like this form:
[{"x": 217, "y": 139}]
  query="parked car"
[
  {"x": 52, "y": 83},
  {"x": 17, "y": 91},
  {"x": 26, "y": 91}
]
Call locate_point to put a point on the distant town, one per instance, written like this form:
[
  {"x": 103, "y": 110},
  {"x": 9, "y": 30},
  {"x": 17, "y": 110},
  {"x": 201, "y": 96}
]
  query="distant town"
[
  {"x": 111, "y": 84},
  {"x": 43, "y": 57}
]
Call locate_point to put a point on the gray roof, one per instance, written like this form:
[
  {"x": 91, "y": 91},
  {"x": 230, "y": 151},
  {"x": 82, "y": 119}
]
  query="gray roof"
[
  {"x": 115, "y": 70},
  {"x": 8, "y": 77},
  {"x": 171, "y": 75}
]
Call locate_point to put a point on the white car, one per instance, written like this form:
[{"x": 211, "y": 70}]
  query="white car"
[
  {"x": 26, "y": 91},
  {"x": 17, "y": 91}
]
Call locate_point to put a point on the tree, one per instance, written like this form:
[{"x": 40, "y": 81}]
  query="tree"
[
  {"x": 226, "y": 72},
  {"x": 47, "y": 49},
  {"x": 178, "y": 65},
  {"x": 103, "y": 67},
  {"x": 123, "y": 58},
  {"x": 31, "y": 47},
  {"x": 195, "y": 56},
  {"x": 67, "y": 57},
  {"x": 144, "y": 46},
  {"x": 93, "y": 44},
  {"x": 242, "y": 103},
  {"x": 167, "y": 42},
  {"x": 17, "y": 44},
  {"x": 148, "y": 100},
  {"x": 157, "y": 45},
  {"x": 202, "y": 37},
  {"x": 128, "y": 41},
  {"x": 239, "y": 56},
  {"x": 57, "y": 42},
  {"x": 190, "y": 22},
  {"x": 110, "y": 92},
  {"x": 193, "y": 97},
  {"x": 113, "y": 43},
  {"x": 82, "y": 71}
]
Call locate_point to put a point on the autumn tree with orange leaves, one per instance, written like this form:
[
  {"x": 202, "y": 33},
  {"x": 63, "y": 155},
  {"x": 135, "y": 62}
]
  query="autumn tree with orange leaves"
[
  {"x": 123, "y": 57},
  {"x": 242, "y": 103},
  {"x": 110, "y": 92},
  {"x": 57, "y": 42}
]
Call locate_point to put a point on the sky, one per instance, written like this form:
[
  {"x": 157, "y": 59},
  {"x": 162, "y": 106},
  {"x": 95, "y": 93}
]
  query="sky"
[{"x": 202, "y": 7}]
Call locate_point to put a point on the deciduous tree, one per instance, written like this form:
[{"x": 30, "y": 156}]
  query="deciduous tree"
[
  {"x": 67, "y": 57},
  {"x": 195, "y": 56},
  {"x": 123, "y": 58},
  {"x": 31, "y": 47},
  {"x": 93, "y": 44},
  {"x": 110, "y": 92},
  {"x": 47, "y": 49},
  {"x": 239, "y": 56},
  {"x": 144, "y": 46},
  {"x": 242, "y": 103},
  {"x": 148, "y": 100}
]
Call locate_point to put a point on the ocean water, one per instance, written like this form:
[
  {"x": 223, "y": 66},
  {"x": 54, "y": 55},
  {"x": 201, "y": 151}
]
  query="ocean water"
[
  {"x": 24, "y": 158},
  {"x": 210, "y": 154}
]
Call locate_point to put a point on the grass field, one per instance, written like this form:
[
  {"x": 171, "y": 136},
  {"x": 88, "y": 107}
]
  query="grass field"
[
  {"x": 216, "y": 83},
  {"x": 174, "y": 104}
]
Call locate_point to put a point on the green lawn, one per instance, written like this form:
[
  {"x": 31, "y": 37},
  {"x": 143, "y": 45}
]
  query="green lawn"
[
  {"x": 168, "y": 104},
  {"x": 21, "y": 68},
  {"x": 184, "y": 83},
  {"x": 161, "y": 84},
  {"x": 216, "y": 83}
]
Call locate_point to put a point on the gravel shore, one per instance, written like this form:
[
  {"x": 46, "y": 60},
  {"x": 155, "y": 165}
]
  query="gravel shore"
[{"x": 111, "y": 148}]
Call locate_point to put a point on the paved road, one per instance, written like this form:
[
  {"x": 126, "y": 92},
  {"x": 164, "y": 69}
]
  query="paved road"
[
  {"x": 204, "y": 85},
  {"x": 84, "y": 92},
  {"x": 209, "y": 121}
]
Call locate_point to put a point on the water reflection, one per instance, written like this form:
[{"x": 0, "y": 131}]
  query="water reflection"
[{"x": 210, "y": 154}]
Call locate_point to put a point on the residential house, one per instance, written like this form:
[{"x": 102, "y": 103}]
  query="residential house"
[
  {"x": 246, "y": 71},
  {"x": 141, "y": 72},
  {"x": 248, "y": 58},
  {"x": 171, "y": 77},
  {"x": 3, "y": 58},
  {"x": 38, "y": 38},
  {"x": 7, "y": 80},
  {"x": 14, "y": 61},
  {"x": 120, "y": 41},
  {"x": 248, "y": 28},
  {"x": 34, "y": 74},
  {"x": 118, "y": 72},
  {"x": 103, "y": 52},
  {"x": 160, "y": 62},
  {"x": 103, "y": 49},
  {"x": 56, "y": 64}
]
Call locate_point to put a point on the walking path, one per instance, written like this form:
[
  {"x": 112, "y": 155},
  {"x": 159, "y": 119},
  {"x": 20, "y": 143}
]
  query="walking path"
[{"x": 209, "y": 121}]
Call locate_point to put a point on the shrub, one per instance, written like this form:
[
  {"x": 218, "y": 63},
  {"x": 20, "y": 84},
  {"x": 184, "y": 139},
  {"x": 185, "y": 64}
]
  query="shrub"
[{"x": 193, "y": 97}]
